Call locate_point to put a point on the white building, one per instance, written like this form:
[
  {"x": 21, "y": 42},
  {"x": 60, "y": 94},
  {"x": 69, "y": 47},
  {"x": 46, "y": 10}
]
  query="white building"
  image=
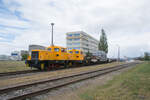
[
  {"x": 82, "y": 41},
  {"x": 15, "y": 55}
]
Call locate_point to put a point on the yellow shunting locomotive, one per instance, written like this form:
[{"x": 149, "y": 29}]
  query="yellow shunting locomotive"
[{"x": 54, "y": 56}]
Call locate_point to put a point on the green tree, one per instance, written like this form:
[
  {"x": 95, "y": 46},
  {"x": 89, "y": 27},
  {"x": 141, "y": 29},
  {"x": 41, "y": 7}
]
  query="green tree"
[
  {"x": 103, "y": 42},
  {"x": 24, "y": 56},
  {"x": 146, "y": 56},
  {"x": 88, "y": 54}
]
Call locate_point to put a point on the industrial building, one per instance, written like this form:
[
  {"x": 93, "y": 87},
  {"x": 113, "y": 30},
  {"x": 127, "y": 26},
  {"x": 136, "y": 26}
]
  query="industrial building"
[
  {"x": 24, "y": 52},
  {"x": 36, "y": 47},
  {"x": 82, "y": 41}
]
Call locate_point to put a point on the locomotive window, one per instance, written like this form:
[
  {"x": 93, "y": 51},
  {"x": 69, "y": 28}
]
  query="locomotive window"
[
  {"x": 69, "y": 35},
  {"x": 34, "y": 55},
  {"x": 56, "y": 49},
  {"x": 70, "y": 51},
  {"x": 77, "y": 52},
  {"x": 49, "y": 49},
  {"x": 63, "y": 50}
]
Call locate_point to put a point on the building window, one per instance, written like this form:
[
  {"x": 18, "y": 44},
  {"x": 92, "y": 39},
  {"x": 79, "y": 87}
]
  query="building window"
[
  {"x": 77, "y": 34},
  {"x": 69, "y": 48},
  {"x": 14, "y": 54},
  {"x": 76, "y": 48},
  {"x": 69, "y": 43},
  {"x": 69, "y": 35},
  {"x": 76, "y": 43},
  {"x": 76, "y": 39},
  {"x": 69, "y": 39},
  {"x": 56, "y": 49}
]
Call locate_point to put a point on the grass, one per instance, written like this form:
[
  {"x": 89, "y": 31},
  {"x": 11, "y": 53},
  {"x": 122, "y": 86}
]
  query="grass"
[
  {"x": 10, "y": 66},
  {"x": 131, "y": 85}
]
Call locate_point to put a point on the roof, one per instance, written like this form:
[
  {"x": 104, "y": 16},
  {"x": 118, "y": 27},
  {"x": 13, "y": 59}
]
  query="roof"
[{"x": 82, "y": 32}]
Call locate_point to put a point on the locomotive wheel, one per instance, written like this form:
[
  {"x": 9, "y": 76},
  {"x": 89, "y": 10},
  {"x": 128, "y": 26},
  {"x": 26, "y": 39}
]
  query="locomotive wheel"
[
  {"x": 86, "y": 62},
  {"x": 42, "y": 66},
  {"x": 27, "y": 65},
  {"x": 65, "y": 64},
  {"x": 70, "y": 64}
]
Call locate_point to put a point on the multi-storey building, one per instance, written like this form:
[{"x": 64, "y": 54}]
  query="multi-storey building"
[{"x": 82, "y": 41}]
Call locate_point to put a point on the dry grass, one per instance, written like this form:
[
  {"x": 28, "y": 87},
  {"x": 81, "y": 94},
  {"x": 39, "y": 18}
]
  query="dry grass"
[
  {"x": 53, "y": 74},
  {"x": 131, "y": 85},
  {"x": 10, "y": 66}
]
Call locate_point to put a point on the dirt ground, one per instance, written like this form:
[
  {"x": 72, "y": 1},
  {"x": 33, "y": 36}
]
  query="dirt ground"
[{"x": 11, "y": 66}]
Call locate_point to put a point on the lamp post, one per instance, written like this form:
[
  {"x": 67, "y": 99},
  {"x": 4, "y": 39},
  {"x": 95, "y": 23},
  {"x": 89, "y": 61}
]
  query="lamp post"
[
  {"x": 52, "y": 44},
  {"x": 118, "y": 53}
]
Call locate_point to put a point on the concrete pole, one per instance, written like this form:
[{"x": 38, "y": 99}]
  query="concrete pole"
[{"x": 52, "y": 44}]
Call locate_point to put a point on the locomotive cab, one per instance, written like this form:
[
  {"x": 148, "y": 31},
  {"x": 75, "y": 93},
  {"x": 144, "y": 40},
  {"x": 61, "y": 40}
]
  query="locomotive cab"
[{"x": 45, "y": 59}]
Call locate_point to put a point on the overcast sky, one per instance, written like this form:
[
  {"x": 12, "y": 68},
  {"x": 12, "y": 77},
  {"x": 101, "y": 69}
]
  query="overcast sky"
[{"x": 126, "y": 23}]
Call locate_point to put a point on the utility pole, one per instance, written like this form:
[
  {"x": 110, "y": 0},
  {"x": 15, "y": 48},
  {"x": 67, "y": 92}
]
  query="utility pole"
[{"x": 52, "y": 44}]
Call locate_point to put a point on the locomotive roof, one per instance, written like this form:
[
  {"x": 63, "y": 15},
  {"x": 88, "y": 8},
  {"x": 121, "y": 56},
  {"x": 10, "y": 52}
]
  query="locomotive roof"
[{"x": 55, "y": 47}]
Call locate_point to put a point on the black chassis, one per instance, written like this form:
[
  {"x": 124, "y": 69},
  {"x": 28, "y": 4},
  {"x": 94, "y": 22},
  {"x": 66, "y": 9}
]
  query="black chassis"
[{"x": 37, "y": 63}]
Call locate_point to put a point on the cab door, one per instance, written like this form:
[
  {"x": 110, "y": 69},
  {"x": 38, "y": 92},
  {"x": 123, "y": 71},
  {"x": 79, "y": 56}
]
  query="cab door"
[{"x": 64, "y": 55}]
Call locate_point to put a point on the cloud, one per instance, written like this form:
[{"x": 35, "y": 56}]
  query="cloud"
[{"x": 125, "y": 22}]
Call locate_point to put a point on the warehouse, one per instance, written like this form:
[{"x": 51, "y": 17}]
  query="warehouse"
[{"x": 36, "y": 47}]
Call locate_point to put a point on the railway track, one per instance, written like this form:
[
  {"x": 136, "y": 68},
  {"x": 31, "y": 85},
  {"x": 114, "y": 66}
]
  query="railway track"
[
  {"x": 18, "y": 72},
  {"x": 23, "y": 91}
]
